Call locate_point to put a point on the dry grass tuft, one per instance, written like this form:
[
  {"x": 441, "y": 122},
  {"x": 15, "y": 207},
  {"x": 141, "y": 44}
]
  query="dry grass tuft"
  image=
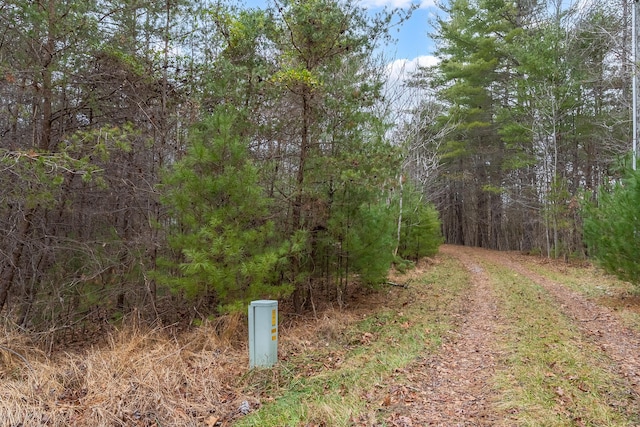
[{"x": 140, "y": 378}]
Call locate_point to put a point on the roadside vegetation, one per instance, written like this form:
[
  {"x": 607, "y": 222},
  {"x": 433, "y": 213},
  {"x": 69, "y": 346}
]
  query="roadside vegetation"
[
  {"x": 335, "y": 383},
  {"x": 594, "y": 283},
  {"x": 334, "y": 369},
  {"x": 611, "y": 227},
  {"x": 327, "y": 366}
]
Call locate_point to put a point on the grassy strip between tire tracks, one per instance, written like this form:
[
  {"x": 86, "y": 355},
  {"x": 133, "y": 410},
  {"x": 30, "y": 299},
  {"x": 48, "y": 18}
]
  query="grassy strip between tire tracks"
[
  {"x": 368, "y": 353},
  {"x": 598, "y": 286},
  {"x": 554, "y": 377}
]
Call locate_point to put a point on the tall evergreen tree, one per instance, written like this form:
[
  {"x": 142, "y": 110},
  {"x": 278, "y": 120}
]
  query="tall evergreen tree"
[
  {"x": 527, "y": 95},
  {"x": 472, "y": 73}
]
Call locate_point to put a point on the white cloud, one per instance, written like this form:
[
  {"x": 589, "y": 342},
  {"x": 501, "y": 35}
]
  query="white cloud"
[
  {"x": 381, "y": 3},
  {"x": 427, "y": 3},
  {"x": 401, "y": 69}
]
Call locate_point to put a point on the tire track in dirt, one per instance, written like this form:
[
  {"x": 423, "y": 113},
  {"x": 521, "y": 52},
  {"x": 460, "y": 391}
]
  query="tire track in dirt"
[
  {"x": 600, "y": 324},
  {"x": 453, "y": 387}
]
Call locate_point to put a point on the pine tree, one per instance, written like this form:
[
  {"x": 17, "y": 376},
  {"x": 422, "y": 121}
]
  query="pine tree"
[
  {"x": 611, "y": 228},
  {"x": 420, "y": 234},
  {"x": 219, "y": 218},
  {"x": 530, "y": 92},
  {"x": 474, "y": 75},
  {"x": 333, "y": 159}
]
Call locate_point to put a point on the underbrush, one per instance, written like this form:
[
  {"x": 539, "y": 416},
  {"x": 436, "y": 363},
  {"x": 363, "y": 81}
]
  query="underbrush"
[
  {"x": 200, "y": 377},
  {"x": 141, "y": 378}
]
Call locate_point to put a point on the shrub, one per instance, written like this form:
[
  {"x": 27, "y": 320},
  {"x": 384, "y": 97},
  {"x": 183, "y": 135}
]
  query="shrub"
[
  {"x": 612, "y": 228},
  {"x": 225, "y": 245},
  {"x": 420, "y": 234}
]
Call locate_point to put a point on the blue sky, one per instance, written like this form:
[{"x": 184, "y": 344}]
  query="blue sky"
[
  {"x": 413, "y": 36},
  {"x": 413, "y": 46}
]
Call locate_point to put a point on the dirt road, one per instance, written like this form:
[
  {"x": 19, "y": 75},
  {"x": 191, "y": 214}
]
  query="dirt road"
[{"x": 458, "y": 387}]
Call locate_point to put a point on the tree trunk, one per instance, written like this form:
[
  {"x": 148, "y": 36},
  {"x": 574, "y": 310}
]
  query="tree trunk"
[
  {"x": 296, "y": 219},
  {"x": 12, "y": 264},
  {"x": 395, "y": 251},
  {"x": 47, "y": 85}
]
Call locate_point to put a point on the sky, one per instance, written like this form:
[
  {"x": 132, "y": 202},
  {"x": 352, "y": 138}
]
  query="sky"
[
  {"x": 413, "y": 36},
  {"x": 413, "y": 45}
]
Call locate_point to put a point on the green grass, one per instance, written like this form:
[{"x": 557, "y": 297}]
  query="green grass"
[
  {"x": 588, "y": 280},
  {"x": 553, "y": 377},
  {"x": 595, "y": 284},
  {"x": 302, "y": 392}
]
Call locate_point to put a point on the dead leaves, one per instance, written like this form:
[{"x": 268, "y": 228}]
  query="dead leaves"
[
  {"x": 366, "y": 338},
  {"x": 386, "y": 401},
  {"x": 400, "y": 421}
]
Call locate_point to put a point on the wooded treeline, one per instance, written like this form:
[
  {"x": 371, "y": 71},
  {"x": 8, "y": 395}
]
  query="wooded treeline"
[
  {"x": 531, "y": 104},
  {"x": 175, "y": 159},
  {"x": 92, "y": 109}
]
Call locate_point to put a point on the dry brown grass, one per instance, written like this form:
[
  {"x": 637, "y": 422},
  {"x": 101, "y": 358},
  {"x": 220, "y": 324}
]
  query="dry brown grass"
[
  {"x": 161, "y": 377},
  {"x": 154, "y": 377},
  {"x": 141, "y": 378},
  {"x": 419, "y": 269}
]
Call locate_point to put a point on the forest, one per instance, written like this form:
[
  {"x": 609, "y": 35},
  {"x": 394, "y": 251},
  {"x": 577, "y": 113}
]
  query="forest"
[{"x": 172, "y": 160}]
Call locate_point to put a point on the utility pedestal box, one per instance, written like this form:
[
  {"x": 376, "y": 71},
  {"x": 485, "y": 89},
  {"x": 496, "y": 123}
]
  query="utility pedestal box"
[{"x": 263, "y": 333}]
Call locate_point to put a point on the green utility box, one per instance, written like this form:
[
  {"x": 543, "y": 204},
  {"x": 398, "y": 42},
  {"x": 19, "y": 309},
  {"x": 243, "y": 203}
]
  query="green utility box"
[{"x": 263, "y": 333}]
